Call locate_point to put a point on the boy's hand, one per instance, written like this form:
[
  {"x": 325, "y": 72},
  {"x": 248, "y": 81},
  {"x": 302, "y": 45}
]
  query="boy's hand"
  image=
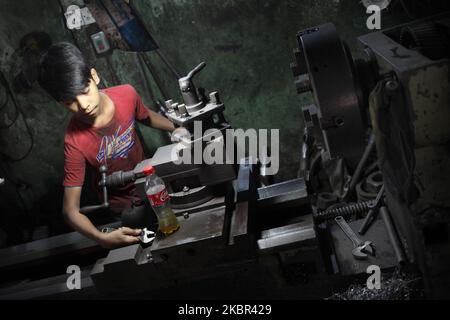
[
  {"x": 120, "y": 238},
  {"x": 181, "y": 135}
]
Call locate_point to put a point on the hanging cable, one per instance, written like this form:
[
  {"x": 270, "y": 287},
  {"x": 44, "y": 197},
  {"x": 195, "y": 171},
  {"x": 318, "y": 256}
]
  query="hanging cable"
[
  {"x": 4, "y": 103},
  {"x": 5, "y": 85},
  {"x": 15, "y": 184},
  {"x": 405, "y": 8},
  {"x": 18, "y": 111}
]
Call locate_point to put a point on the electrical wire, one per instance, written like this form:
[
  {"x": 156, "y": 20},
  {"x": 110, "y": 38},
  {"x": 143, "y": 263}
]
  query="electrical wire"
[
  {"x": 16, "y": 115},
  {"x": 18, "y": 111},
  {"x": 30, "y": 218},
  {"x": 405, "y": 8},
  {"x": 3, "y": 104},
  {"x": 158, "y": 51},
  {"x": 16, "y": 184},
  {"x": 5, "y": 85}
]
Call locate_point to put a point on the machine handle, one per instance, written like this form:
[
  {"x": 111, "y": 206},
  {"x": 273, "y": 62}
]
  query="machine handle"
[
  {"x": 196, "y": 70},
  {"x": 120, "y": 179},
  {"x": 102, "y": 183},
  {"x": 187, "y": 87}
]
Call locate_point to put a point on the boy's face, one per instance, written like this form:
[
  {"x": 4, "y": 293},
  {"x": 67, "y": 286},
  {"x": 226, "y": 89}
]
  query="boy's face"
[{"x": 86, "y": 105}]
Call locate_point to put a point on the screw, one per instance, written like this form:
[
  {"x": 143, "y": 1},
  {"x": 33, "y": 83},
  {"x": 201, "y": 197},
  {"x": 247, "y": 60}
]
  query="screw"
[
  {"x": 185, "y": 189},
  {"x": 214, "y": 97},
  {"x": 186, "y": 215}
]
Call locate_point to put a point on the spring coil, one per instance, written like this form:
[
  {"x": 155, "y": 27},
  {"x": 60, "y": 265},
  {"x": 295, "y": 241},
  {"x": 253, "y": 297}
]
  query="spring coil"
[{"x": 348, "y": 210}]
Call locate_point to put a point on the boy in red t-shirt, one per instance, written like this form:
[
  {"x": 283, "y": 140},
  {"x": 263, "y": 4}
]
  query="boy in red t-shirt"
[{"x": 101, "y": 131}]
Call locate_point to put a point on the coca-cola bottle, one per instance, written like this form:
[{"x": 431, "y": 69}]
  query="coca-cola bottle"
[{"x": 160, "y": 201}]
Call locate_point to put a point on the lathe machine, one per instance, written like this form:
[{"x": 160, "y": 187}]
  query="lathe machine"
[{"x": 375, "y": 154}]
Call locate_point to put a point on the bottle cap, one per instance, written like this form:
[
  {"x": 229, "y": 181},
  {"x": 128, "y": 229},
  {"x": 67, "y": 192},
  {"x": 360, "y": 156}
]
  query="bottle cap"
[{"x": 148, "y": 170}]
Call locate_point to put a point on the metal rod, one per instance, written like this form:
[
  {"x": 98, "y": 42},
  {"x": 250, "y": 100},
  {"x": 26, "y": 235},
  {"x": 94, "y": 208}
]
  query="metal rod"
[
  {"x": 360, "y": 167},
  {"x": 113, "y": 73},
  {"x": 393, "y": 237},
  {"x": 158, "y": 51},
  {"x": 373, "y": 212},
  {"x": 168, "y": 64},
  {"x": 147, "y": 81},
  {"x": 155, "y": 76}
]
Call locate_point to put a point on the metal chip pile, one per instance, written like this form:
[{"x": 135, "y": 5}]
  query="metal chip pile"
[{"x": 394, "y": 288}]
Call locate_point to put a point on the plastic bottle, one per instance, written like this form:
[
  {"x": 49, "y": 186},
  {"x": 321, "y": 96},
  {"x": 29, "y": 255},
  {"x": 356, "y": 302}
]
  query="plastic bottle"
[{"x": 160, "y": 201}]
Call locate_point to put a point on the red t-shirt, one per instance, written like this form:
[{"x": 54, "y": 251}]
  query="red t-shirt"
[{"x": 115, "y": 145}]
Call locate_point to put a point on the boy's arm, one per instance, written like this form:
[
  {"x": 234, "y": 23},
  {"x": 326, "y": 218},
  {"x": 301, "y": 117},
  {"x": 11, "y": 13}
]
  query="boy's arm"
[
  {"x": 82, "y": 224},
  {"x": 157, "y": 121},
  {"x": 149, "y": 117}
]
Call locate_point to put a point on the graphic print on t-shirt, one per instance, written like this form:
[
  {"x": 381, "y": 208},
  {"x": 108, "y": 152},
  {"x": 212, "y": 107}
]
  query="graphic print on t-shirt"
[{"x": 117, "y": 145}]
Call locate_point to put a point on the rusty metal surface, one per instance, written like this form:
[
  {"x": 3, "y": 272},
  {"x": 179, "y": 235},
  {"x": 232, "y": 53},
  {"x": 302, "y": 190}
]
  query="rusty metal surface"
[{"x": 198, "y": 227}]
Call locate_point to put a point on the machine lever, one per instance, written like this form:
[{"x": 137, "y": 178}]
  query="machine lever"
[
  {"x": 196, "y": 70},
  {"x": 187, "y": 87}
]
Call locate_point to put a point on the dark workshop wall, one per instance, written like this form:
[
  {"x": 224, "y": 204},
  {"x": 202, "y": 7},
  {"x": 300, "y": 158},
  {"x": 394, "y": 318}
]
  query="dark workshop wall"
[
  {"x": 247, "y": 45},
  {"x": 32, "y": 193},
  {"x": 32, "y": 188}
]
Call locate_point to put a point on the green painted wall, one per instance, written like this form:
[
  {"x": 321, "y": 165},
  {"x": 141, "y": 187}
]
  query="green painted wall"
[
  {"x": 247, "y": 45},
  {"x": 32, "y": 190}
]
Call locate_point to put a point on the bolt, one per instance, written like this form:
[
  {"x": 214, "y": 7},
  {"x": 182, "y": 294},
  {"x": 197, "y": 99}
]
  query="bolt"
[
  {"x": 339, "y": 122},
  {"x": 148, "y": 256},
  {"x": 186, "y": 215},
  {"x": 185, "y": 189},
  {"x": 182, "y": 109},
  {"x": 175, "y": 108},
  {"x": 169, "y": 104},
  {"x": 391, "y": 85},
  {"x": 303, "y": 83}
]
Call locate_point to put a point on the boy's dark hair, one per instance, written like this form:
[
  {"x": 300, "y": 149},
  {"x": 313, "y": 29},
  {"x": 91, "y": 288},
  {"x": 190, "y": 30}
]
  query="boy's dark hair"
[{"x": 64, "y": 72}]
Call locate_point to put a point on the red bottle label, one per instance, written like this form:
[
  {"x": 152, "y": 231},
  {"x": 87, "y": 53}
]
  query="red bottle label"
[{"x": 159, "y": 198}]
